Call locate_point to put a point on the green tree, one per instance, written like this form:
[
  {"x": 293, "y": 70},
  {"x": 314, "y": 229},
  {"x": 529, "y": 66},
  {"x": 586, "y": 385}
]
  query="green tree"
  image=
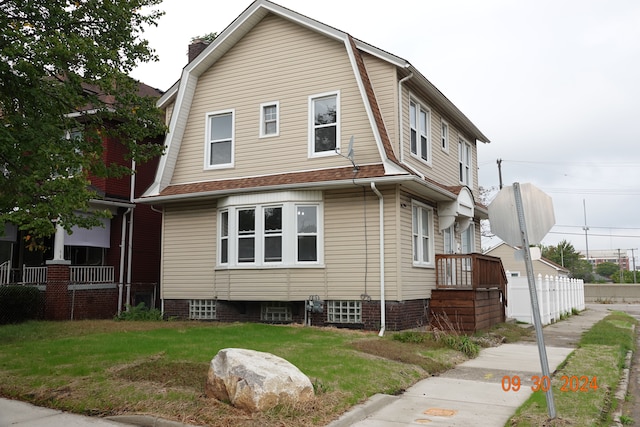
[
  {"x": 607, "y": 268},
  {"x": 627, "y": 276},
  {"x": 64, "y": 90},
  {"x": 565, "y": 254}
]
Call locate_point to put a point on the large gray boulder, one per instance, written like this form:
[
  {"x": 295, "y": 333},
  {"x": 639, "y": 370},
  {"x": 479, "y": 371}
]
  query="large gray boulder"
[{"x": 255, "y": 381}]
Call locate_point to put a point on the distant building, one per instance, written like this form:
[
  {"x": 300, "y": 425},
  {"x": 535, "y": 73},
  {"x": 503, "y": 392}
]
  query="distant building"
[{"x": 612, "y": 256}]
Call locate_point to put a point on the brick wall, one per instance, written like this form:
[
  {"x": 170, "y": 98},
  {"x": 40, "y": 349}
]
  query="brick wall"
[{"x": 399, "y": 315}]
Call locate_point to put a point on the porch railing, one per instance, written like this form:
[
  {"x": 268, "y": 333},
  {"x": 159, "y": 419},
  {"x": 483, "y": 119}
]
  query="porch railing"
[
  {"x": 34, "y": 275},
  {"x": 469, "y": 271},
  {"x": 95, "y": 274},
  {"x": 5, "y": 272}
]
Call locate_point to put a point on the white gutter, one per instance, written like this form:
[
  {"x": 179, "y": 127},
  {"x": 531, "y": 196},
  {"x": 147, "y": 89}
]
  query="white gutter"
[
  {"x": 383, "y": 319},
  {"x": 130, "y": 244},
  {"x": 122, "y": 252}
]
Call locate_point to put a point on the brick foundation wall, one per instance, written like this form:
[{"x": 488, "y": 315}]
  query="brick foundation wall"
[
  {"x": 399, "y": 315},
  {"x": 94, "y": 303}
]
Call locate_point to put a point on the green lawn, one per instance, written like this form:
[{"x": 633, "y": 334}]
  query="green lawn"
[{"x": 108, "y": 368}]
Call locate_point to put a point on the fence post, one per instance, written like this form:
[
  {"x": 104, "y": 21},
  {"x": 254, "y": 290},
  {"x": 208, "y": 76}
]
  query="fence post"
[
  {"x": 545, "y": 302},
  {"x": 57, "y": 290}
]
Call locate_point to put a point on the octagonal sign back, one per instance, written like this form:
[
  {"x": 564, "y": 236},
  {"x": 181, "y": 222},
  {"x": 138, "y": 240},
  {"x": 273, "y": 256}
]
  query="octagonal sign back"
[{"x": 538, "y": 214}]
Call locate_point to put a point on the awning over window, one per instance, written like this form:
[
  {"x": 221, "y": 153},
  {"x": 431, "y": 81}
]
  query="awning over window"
[
  {"x": 10, "y": 232},
  {"x": 98, "y": 237},
  {"x": 461, "y": 209}
]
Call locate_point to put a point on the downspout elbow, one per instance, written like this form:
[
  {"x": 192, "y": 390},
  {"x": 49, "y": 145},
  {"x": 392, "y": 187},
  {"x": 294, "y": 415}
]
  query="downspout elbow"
[{"x": 383, "y": 319}]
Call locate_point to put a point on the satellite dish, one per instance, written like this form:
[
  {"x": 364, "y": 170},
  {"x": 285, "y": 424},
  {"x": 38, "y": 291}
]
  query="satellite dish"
[{"x": 350, "y": 153}]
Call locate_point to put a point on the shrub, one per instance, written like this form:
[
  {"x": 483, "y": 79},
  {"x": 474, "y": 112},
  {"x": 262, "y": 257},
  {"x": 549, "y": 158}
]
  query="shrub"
[{"x": 140, "y": 313}]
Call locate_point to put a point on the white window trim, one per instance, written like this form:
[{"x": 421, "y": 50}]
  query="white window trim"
[
  {"x": 462, "y": 162},
  {"x": 262, "y": 119},
  {"x": 289, "y": 237},
  {"x": 444, "y": 139},
  {"x": 420, "y": 107},
  {"x": 419, "y": 263},
  {"x": 311, "y": 135},
  {"x": 207, "y": 145}
]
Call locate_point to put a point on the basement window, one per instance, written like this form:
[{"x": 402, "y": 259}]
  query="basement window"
[
  {"x": 202, "y": 309},
  {"x": 344, "y": 311},
  {"x": 275, "y": 312}
]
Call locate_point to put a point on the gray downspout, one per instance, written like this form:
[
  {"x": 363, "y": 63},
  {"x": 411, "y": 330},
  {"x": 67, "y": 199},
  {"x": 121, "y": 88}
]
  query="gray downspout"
[
  {"x": 122, "y": 252},
  {"x": 383, "y": 318},
  {"x": 130, "y": 245}
]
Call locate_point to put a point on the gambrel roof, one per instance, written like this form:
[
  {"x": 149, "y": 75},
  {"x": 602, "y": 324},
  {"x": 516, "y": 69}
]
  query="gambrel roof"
[{"x": 181, "y": 94}]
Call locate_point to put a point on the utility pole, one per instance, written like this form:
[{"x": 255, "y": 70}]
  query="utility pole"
[
  {"x": 585, "y": 228},
  {"x": 633, "y": 258},
  {"x": 499, "y": 161},
  {"x": 620, "y": 264}
]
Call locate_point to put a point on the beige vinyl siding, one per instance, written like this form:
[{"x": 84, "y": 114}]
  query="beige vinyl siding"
[
  {"x": 383, "y": 77},
  {"x": 189, "y": 251},
  {"x": 168, "y": 112},
  {"x": 444, "y": 165},
  {"x": 417, "y": 282},
  {"x": 352, "y": 251},
  {"x": 276, "y": 61}
]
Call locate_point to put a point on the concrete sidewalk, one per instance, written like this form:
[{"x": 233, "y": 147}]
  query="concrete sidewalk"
[{"x": 472, "y": 393}]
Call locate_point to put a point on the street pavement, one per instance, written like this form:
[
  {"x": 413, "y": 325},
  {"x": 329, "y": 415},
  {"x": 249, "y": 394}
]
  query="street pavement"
[{"x": 473, "y": 393}]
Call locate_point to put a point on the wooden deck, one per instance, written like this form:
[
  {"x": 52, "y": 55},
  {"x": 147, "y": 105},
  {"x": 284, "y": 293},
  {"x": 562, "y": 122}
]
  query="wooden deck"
[{"x": 471, "y": 292}]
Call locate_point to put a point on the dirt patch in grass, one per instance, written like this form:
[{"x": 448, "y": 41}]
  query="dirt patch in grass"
[{"x": 430, "y": 356}]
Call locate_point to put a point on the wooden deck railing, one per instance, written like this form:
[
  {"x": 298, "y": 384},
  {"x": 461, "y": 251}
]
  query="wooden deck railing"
[{"x": 469, "y": 271}]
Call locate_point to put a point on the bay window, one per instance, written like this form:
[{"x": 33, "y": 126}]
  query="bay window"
[{"x": 269, "y": 234}]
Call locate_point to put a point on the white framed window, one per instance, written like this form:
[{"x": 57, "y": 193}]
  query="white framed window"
[
  {"x": 272, "y": 216},
  {"x": 449, "y": 237},
  {"x": 269, "y": 119},
  {"x": 223, "y": 247},
  {"x": 219, "y": 145},
  {"x": 444, "y": 136},
  {"x": 202, "y": 309},
  {"x": 419, "y": 124},
  {"x": 270, "y": 235},
  {"x": 344, "y": 311},
  {"x": 275, "y": 312},
  {"x": 324, "y": 124},
  {"x": 422, "y": 232},
  {"x": 464, "y": 162},
  {"x": 246, "y": 235},
  {"x": 307, "y": 233}
]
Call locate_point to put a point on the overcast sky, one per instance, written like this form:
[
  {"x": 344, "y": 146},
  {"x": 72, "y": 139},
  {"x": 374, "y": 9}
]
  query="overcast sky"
[{"x": 555, "y": 86}]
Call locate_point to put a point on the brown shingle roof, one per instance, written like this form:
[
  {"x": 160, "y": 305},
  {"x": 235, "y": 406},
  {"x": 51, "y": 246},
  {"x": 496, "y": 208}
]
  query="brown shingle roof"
[{"x": 310, "y": 177}]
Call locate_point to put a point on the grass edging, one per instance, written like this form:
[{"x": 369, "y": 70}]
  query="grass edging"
[{"x": 598, "y": 360}]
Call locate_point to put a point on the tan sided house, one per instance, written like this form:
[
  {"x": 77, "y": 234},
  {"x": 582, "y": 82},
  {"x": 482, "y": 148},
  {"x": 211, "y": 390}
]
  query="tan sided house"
[{"x": 305, "y": 165}]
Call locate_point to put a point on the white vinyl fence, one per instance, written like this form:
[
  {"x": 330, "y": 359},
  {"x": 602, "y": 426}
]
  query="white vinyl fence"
[{"x": 556, "y": 296}]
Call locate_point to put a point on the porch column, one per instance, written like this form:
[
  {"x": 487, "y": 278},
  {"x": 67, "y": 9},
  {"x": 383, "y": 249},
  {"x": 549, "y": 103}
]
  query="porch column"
[
  {"x": 58, "y": 276},
  {"x": 58, "y": 243}
]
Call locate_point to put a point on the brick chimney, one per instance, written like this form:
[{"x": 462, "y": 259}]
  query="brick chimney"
[{"x": 196, "y": 47}]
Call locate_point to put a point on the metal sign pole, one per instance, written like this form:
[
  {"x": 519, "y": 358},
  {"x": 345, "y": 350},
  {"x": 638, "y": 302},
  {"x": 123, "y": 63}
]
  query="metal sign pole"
[{"x": 534, "y": 299}]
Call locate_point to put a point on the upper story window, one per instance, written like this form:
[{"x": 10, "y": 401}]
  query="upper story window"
[
  {"x": 422, "y": 235},
  {"x": 324, "y": 124},
  {"x": 419, "y": 119},
  {"x": 464, "y": 162},
  {"x": 444, "y": 136},
  {"x": 220, "y": 139},
  {"x": 269, "y": 119}
]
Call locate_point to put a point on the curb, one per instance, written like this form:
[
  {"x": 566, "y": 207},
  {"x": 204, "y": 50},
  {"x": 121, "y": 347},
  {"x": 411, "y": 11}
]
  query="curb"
[
  {"x": 363, "y": 410},
  {"x": 623, "y": 388},
  {"x": 146, "y": 421}
]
